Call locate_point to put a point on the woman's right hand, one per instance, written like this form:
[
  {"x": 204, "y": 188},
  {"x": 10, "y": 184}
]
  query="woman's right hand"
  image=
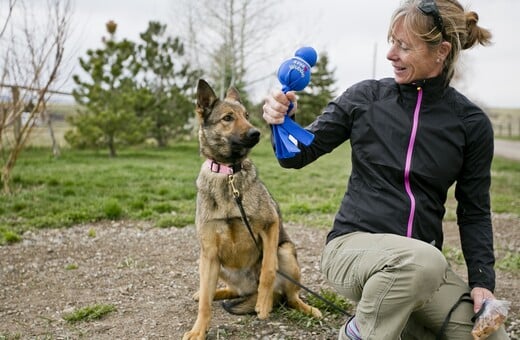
[{"x": 276, "y": 106}]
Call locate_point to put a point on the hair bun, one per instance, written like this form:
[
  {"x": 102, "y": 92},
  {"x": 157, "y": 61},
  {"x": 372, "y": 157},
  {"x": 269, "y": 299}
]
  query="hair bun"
[{"x": 476, "y": 34}]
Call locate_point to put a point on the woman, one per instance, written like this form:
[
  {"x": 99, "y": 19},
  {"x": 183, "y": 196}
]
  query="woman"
[{"x": 412, "y": 137}]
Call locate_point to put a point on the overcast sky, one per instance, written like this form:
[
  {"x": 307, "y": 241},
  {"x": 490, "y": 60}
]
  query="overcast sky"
[{"x": 351, "y": 32}]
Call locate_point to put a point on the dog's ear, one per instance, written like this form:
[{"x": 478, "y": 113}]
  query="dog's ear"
[
  {"x": 206, "y": 97},
  {"x": 232, "y": 93}
]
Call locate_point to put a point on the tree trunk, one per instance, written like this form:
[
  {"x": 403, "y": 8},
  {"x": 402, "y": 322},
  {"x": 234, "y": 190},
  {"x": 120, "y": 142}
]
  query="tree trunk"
[
  {"x": 111, "y": 147},
  {"x": 55, "y": 146},
  {"x": 5, "y": 181},
  {"x": 6, "y": 170},
  {"x": 17, "y": 123}
]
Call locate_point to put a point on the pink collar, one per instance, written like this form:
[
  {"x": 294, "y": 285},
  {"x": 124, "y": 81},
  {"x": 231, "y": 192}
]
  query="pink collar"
[{"x": 221, "y": 168}]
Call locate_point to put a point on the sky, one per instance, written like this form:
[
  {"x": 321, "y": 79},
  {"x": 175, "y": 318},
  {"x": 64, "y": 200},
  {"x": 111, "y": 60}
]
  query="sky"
[{"x": 352, "y": 33}]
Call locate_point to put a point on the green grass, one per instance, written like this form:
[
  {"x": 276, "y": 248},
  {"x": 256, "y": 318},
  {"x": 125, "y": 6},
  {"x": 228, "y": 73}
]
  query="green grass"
[
  {"x": 89, "y": 313},
  {"x": 453, "y": 254},
  {"x": 308, "y": 196},
  {"x": 9, "y": 336},
  {"x": 71, "y": 266},
  {"x": 332, "y": 315},
  {"x": 159, "y": 186},
  {"x": 510, "y": 262},
  {"x": 333, "y": 298},
  {"x": 86, "y": 186},
  {"x": 505, "y": 186}
]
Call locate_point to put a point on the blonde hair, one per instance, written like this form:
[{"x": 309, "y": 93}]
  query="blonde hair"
[{"x": 460, "y": 28}]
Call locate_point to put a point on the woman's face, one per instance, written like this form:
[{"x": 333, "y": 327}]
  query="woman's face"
[{"x": 411, "y": 57}]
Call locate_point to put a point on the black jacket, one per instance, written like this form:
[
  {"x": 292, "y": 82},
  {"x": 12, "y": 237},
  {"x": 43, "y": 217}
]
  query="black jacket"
[{"x": 409, "y": 144}]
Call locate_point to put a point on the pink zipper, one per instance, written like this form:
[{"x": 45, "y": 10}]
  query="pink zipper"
[{"x": 408, "y": 164}]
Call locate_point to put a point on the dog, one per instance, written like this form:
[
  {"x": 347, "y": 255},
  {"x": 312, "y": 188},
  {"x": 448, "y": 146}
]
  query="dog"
[{"x": 228, "y": 182}]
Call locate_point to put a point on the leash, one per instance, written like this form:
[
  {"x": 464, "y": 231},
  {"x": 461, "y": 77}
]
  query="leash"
[
  {"x": 466, "y": 297},
  {"x": 238, "y": 200}
]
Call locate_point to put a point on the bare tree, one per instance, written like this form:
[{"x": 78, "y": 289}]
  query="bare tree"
[
  {"x": 227, "y": 38},
  {"x": 33, "y": 50}
]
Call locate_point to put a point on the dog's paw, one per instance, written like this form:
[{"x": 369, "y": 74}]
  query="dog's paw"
[
  {"x": 195, "y": 296},
  {"x": 194, "y": 335},
  {"x": 263, "y": 311},
  {"x": 263, "y": 315},
  {"x": 315, "y": 312},
  {"x": 264, "y": 305}
]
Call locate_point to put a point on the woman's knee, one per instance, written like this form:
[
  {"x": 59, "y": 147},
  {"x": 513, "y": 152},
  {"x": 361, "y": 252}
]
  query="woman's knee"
[{"x": 428, "y": 269}]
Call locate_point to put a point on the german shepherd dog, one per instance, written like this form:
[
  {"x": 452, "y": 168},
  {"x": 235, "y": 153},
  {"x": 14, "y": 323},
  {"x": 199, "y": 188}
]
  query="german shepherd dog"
[{"x": 247, "y": 266}]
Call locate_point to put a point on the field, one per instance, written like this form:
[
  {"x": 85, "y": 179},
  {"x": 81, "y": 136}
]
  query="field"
[
  {"x": 158, "y": 186},
  {"x": 147, "y": 275},
  {"x": 85, "y": 230}
]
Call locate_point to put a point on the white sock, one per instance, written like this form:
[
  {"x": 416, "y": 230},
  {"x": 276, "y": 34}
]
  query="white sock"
[{"x": 352, "y": 330}]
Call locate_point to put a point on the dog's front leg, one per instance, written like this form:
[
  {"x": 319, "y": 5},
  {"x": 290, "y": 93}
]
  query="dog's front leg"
[
  {"x": 264, "y": 303},
  {"x": 208, "y": 273}
]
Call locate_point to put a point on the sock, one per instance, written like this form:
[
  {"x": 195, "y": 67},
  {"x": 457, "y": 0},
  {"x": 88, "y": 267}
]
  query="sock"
[{"x": 352, "y": 330}]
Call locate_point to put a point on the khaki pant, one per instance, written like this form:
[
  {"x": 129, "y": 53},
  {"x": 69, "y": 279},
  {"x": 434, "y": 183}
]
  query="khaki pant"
[{"x": 403, "y": 287}]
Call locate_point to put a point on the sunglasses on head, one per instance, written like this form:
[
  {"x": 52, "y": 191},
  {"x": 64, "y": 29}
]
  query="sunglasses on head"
[{"x": 429, "y": 8}]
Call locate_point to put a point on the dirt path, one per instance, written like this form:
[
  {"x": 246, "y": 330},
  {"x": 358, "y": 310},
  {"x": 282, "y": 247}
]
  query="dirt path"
[
  {"x": 149, "y": 275},
  {"x": 508, "y": 149}
]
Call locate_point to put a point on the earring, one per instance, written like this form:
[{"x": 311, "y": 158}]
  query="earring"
[{"x": 438, "y": 60}]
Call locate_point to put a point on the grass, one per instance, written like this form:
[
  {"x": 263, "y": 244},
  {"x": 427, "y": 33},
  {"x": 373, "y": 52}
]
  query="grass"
[
  {"x": 159, "y": 186},
  {"x": 331, "y": 314},
  {"x": 86, "y": 186},
  {"x": 505, "y": 186},
  {"x": 89, "y": 313},
  {"x": 71, "y": 266},
  {"x": 453, "y": 254},
  {"x": 510, "y": 262},
  {"x": 337, "y": 300}
]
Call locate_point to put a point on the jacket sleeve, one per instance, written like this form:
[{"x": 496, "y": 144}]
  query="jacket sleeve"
[
  {"x": 473, "y": 210},
  {"x": 331, "y": 128}
]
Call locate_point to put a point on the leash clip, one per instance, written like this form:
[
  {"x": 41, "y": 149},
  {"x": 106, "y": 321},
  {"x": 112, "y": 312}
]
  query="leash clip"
[{"x": 231, "y": 180}]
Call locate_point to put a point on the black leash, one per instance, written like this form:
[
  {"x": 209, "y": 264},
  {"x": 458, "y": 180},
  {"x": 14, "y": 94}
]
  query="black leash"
[
  {"x": 466, "y": 297},
  {"x": 238, "y": 200}
]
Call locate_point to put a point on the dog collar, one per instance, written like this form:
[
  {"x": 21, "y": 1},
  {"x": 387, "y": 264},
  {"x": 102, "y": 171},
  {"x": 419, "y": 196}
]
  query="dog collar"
[{"x": 223, "y": 169}]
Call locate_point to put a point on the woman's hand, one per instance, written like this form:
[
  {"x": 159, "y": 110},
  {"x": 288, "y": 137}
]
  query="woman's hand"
[
  {"x": 276, "y": 106},
  {"x": 479, "y": 294}
]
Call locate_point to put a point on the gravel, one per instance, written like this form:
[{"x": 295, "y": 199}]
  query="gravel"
[{"x": 149, "y": 274}]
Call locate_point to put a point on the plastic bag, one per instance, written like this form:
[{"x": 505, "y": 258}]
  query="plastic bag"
[{"x": 490, "y": 317}]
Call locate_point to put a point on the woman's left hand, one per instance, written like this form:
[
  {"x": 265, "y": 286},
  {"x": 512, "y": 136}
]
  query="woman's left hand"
[{"x": 479, "y": 294}]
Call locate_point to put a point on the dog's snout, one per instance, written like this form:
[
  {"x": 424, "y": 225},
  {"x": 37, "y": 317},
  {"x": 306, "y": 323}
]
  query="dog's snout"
[
  {"x": 250, "y": 138},
  {"x": 253, "y": 134}
]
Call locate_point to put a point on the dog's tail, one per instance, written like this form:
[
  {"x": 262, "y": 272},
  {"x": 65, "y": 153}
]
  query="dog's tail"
[
  {"x": 242, "y": 305},
  {"x": 245, "y": 304}
]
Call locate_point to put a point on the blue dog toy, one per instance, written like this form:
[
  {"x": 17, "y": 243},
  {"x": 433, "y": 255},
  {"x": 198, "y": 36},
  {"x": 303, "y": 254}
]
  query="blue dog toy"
[{"x": 294, "y": 74}]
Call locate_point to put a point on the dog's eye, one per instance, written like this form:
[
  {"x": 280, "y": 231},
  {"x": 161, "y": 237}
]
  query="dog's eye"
[{"x": 228, "y": 118}]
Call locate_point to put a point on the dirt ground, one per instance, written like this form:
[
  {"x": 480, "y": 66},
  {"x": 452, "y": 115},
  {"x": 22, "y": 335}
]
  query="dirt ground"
[{"x": 149, "y": 275}]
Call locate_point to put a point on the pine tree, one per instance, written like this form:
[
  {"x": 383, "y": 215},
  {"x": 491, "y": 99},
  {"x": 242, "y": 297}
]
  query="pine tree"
[
  {"x": 318, "y": 93},
  {"x": 107, "y": 118},
  {"x": 165, "y": 84},
  {"x": 133, "y": 91}
]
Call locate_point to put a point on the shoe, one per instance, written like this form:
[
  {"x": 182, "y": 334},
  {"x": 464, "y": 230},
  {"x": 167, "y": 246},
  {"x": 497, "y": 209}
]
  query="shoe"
[{"x": 342, "y": 331}]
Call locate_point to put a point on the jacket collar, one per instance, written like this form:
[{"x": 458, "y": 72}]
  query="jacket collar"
[
  {"x": 432, "y": 84},
  {"x": 433, "y": 88}
]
